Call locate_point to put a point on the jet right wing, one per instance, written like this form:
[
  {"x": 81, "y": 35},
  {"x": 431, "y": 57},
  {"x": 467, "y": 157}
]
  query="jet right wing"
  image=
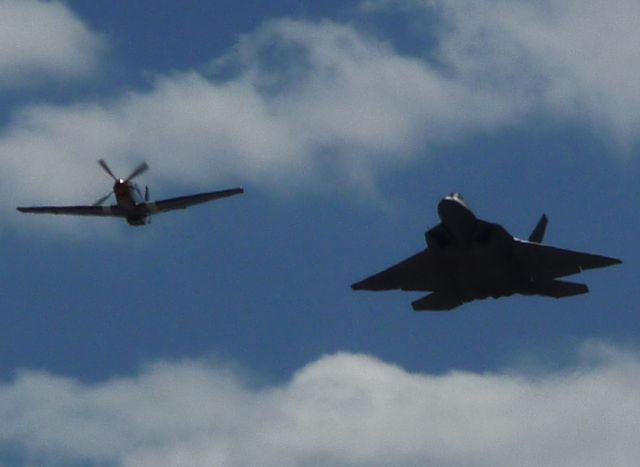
[
  {"x": 102, "y": 211},
  {"x": 544, "y": 261},
  {"x": 418, "y": 272}
]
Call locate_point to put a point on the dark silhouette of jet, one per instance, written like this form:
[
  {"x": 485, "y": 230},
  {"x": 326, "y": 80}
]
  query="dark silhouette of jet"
[{"x": 470, "y": 259}]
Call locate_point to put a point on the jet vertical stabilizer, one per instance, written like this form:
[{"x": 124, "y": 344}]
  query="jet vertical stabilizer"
[{"x": 538, "y": 233}]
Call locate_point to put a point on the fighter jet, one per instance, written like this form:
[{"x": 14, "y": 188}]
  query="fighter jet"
[
  {"x": 130, "y": 204},
  {"x": 470, "y": 259}
]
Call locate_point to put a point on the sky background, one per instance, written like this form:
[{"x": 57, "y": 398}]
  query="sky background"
[{"x": 228, "y": 334}]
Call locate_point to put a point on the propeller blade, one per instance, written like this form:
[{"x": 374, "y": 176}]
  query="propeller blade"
[
  {"x": 146, "y": 192},
  {"x": 103, "y": 199},
  {"x": 137, "y": 188},
  {"x": 142, "y": 168},
  {"x": 106, "y": 168}
]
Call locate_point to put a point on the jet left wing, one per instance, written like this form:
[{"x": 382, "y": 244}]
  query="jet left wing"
[
  {"x": 544, "y": 261},
  {"x": 183, "y": 202},
  {"x": 102, "y": 211},
  {"x": 418, "y": 272}
]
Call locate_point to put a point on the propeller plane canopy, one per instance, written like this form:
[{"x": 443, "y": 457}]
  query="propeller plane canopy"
[
  {"x": 470, "y": 259},
  {"x": 130, "y": 204}
]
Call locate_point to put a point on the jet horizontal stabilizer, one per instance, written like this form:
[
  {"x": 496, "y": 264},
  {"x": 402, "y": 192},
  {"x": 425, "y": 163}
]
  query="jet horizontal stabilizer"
[
  {"x": 437, "y": 302},
  {"x": 559, "y": 289}
]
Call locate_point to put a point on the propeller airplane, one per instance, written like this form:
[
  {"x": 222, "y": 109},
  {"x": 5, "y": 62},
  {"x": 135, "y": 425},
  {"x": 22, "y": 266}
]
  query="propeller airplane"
[{"x": 130, "y": 202}]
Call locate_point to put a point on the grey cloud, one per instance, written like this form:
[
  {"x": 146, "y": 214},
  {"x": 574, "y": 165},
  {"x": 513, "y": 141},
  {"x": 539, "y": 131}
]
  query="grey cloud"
[
  {"x": 44, "y": 39},
  {"x": 573, "y": 60}
]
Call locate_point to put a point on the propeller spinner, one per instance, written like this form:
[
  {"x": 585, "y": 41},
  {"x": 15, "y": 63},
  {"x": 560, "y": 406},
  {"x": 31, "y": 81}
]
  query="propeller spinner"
[{"x": 142, "y": 168}]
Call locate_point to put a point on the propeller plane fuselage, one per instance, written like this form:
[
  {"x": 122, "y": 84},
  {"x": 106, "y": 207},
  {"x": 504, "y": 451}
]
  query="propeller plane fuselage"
[{"x": 128, "y": 199}]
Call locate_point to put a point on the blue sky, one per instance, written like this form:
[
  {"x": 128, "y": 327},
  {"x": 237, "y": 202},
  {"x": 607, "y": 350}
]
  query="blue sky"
[{"x": 228, "y": 334}]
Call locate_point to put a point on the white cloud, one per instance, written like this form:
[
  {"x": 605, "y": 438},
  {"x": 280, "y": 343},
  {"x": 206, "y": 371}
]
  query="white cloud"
[
  {"x": 582, "y": 54},
  {"x": 342, "y": 410},
  {"x": 572, "y": 59},
  {"x": 43, "y": 39}
]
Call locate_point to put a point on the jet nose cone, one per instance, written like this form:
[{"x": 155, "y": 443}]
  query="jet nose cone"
[
  {"x": 454, "y": 198},
  {"x": 453, "y": 206},
  {"x": 446, "y": 206}
]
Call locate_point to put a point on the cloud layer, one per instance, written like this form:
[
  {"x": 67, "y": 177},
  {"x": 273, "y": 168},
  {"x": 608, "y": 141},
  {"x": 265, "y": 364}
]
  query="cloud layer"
[
  {"x": 329, "y": 103},
  {"x": 340, "y": 410},
  {"x": 574, "y": 59},
  {"x": 42, "y": 39},
  {"x": 323, "y": 105}
]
